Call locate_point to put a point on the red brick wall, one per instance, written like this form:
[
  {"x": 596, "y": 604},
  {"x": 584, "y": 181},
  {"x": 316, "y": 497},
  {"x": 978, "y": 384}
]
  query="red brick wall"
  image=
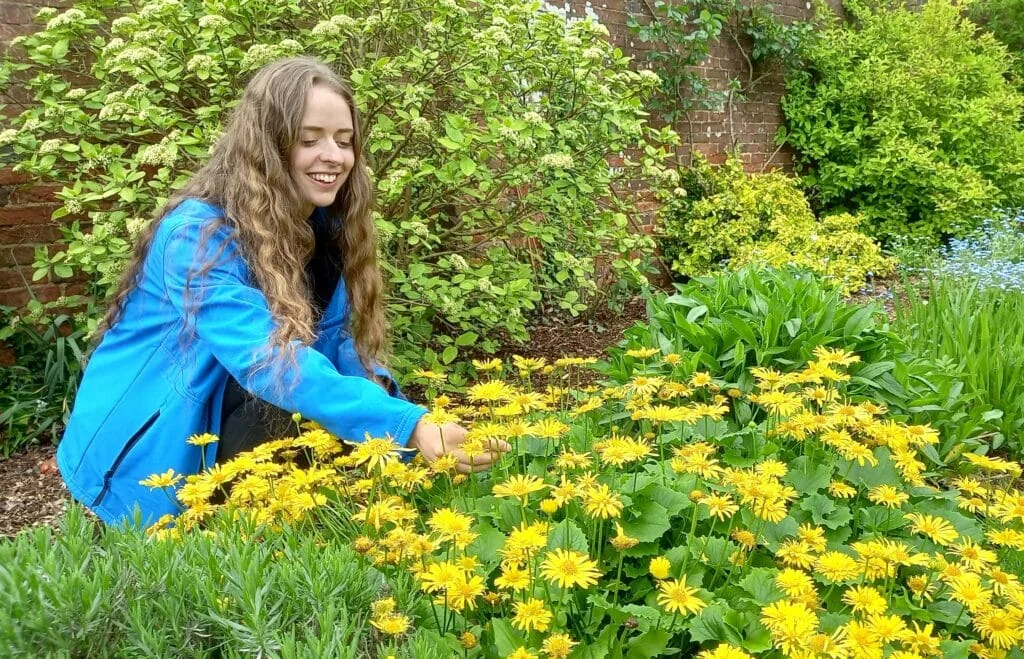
[{"x": 25, "y": 209}]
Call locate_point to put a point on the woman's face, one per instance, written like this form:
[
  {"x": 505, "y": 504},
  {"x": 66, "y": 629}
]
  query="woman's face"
[{"x": 324, "y": 156}]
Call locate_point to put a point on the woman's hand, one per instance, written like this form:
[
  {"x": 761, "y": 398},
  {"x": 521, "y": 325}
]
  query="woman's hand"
[{"x": 434, "y": 441}]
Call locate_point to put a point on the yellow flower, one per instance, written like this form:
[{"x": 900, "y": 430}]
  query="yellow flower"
[
  {"x": 392, "y": 624},
  {"x": 513, "y": 577},
  {"x": 449, "y": 523},
  {"x": 599, "y": 501},
  {"x": 489, "y": 392},
  {"x": 549, "y": 506},
  {"x": 937, "y": 529},
  {"x": 522, "y": 653},
  {"x": 720, "y": 506},
  {"x": 569, "y": 568},
  {"x": 558, "y": 646},
  {"x": 837, "y": 566},
  {"x": 519, "y": 486},
  {"x": 490, "y": 365},
  {"x": 463, "y": 591},
  {"x": 1000, "y": 627},
  {"x": 528, "y": 364},
  {"x": 166, "y": 479},
  {"x": 865, "y": 599},
  {"x": 201, "y": 439},
  {"x": 676, "y": 597},
  {"x": 621, "y": 541},
  {"x": 375, "y": 453},
  {"x": 659, "y": 567},
  {"x": 468, "y": 638},
  {"x": 888, "y": 496},
  {"x": 429, "y": 375},
  {"x": 841, "y": 490},
  {"x": 974, "y": 555},
  {"x": 531, "y": 614},
  {"x": 724, "y": 651},
  {"x": 791, "y": 624}
]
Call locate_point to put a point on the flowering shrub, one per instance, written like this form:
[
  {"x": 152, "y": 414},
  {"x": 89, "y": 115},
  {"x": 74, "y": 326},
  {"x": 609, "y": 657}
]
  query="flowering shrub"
[
  {"x": 724, "y": 215},
  {"x": 637, "y": 520},
  {"x": 909, "y": 119},
  {"x": 488, "y": 125}
]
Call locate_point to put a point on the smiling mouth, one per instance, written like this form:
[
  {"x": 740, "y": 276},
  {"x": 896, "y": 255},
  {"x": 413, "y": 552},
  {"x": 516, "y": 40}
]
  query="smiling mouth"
[{"x": 326, "y": 179}]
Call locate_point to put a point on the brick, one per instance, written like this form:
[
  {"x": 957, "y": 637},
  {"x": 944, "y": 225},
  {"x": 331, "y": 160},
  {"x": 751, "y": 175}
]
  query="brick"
[
  {"x": 16, "y": 255},
  {"x": 31, "y": 233},
  {"x": 13, "y": 14},
  {"x": 9, "y": 177},
  {"x": 22, "y": 215},
  {"x": 33, "y": 194},
  {"x": 15, "y": 277}
]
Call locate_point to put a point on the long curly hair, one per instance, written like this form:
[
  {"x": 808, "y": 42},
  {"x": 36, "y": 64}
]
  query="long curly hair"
[{"x": 248, "y": 176}]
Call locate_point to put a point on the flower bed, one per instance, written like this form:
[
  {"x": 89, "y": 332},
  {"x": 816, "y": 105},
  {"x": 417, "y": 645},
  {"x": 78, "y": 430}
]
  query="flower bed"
[{"x": 640, "y": 520}]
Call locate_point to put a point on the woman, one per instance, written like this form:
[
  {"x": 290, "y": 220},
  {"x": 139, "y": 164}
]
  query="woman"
[{"x": 254, "y": 294}]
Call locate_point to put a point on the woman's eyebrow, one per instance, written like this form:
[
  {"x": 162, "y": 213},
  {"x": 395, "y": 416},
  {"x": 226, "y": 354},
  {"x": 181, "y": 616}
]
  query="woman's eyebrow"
[{"x": 317, "y": 129}]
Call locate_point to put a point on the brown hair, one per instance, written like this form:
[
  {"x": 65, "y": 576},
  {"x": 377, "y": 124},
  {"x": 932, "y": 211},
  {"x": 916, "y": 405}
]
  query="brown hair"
[{"x": 247, "y": 175}]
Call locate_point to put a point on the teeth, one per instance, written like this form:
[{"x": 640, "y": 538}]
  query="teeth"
[{"x": 324, "y": 178}]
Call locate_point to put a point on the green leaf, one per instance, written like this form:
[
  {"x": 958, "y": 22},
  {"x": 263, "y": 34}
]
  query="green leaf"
[
  {"x": 567, "y": 535},
  {"x": 648, "y": 644},
  {"x": 449, "y": 354},
  {"x": 825, "y": 512},
  {"x": 760, "y": 583},
  {"x": 64, "y": 271},
  {"x": 650, "y": 523},
  {"x": 710, "y": 625},
  {"x": 466, "y": 339},
  {"x": 468, "y": 166},
  {"x": 506, "y": 639},
  {"x": 807, "y": 475}
]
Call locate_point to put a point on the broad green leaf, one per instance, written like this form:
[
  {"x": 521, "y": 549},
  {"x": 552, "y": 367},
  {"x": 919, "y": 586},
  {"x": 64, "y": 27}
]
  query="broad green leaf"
[{"x": 650, "y": 522}]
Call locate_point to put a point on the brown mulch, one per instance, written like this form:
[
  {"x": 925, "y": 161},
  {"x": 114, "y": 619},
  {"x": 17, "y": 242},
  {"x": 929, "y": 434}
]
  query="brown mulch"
[{"x": 32, "y": 492}]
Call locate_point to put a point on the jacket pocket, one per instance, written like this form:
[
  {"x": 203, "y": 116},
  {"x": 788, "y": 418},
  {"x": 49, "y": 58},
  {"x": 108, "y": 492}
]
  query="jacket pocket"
[{"x": 129, "y": 445}]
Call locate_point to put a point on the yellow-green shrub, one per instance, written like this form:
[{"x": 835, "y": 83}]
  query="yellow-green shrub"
[{"x": 725, "y": 216}]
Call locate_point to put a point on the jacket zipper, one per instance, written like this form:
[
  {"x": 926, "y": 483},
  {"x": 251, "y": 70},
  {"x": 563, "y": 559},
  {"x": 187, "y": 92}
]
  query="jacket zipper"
[{"x": 121, "y": 456}]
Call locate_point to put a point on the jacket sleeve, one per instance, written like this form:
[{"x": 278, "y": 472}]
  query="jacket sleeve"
[{"x": 233, "y": 321}]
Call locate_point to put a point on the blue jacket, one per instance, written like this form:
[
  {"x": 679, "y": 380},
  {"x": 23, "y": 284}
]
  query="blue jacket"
[{"x": 148, "y": 386}]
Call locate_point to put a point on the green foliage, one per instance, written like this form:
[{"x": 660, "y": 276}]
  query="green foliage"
[
  {"x": 1005, "y": 20},
  {"x": 88, "y": 591},
  {"x": 907, "y": 118},
  {"x": 977, "y": 333},
  {"x": 38, "y": 390},
  {"x": 727, "y": 323},
  {"x": 683, "y": 33},
  {"x": 724, "y": 215},
  {"x": 487, "y": 126}
]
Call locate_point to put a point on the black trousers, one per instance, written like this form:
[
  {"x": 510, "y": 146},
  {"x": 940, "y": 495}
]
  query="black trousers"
[{"x": 247, "y": 421}]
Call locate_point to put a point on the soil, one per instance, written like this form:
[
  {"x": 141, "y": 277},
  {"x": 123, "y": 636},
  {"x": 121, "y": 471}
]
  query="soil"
[{"x": 33, "y": 493}]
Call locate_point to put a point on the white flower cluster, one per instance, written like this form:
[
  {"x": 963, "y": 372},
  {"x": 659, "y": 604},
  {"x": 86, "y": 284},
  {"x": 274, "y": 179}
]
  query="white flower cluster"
[
  {"x": 433, "y": 27},
  {"x": 124, "y": 25},
  {"x": 75, "y": 94},
  {"x": 420, "y": 229},
  {"x": 45, "y": 14},
  {"x": 484, "y": 285},
  {"x": 213, "y": 22},
  {"x": 73, "y": 206},
  {"x": 333, "y": 27},
  {"x": 669, "y": 177},
  {"x": 290, "y": 47},
  {"x": 557, "y": 161},
  {"x": 594, "y": 54},
  {"x": 498, "y": 35},
  {"x": 258, "y": 55},
  {"x": 7, "y": 136},
  {"x": 157, "y": 154},
  {"x": 136, "y": 91},
  {"x": 137, "y": 55},
  {"x": 649, "y": 77},
  {"x": 459, "y": 263},
  {"x": 50, "y": 146},
  {"x": 158, "y": 9},
  {"x": 68, "y": 18},
  {"x": 534, "y": 118},
  {"x": 421, "y": 125},
  {"x": 114, "y": 45},
  {"x": 449, "y": 307},
  {"x": 156, "y": 36},
  {"x": 200, "y": 63},
  {"x": 135, "y": 226}
]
